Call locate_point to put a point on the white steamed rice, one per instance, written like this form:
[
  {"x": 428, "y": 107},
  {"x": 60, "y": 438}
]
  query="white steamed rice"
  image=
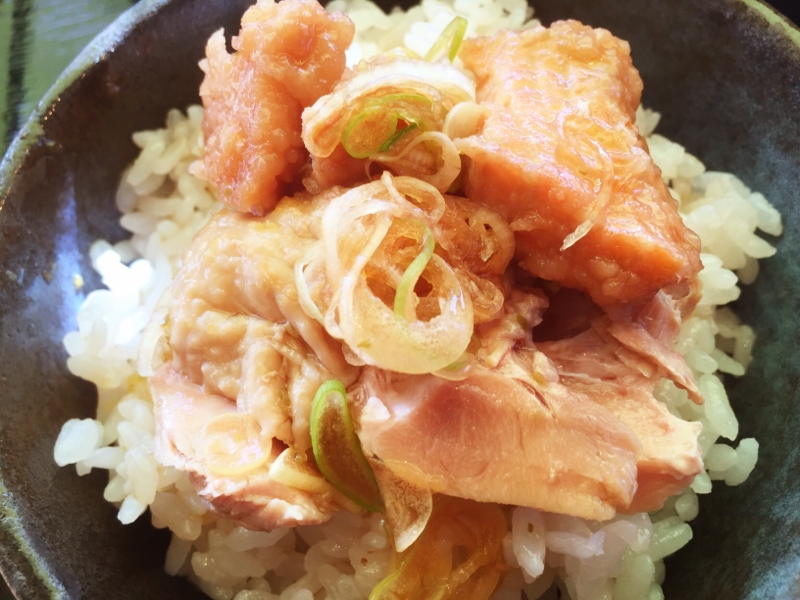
[{"x": 163, "y": 206}]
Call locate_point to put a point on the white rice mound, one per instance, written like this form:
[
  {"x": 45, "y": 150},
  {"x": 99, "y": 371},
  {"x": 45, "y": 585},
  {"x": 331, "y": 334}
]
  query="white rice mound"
[{"x": 163, "y": 206}]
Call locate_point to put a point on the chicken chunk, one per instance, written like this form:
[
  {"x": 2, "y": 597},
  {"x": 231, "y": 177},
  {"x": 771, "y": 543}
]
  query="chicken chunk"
[
  {"x": 559, "y": 156},
  {"x": 182, "y": 411},
  {"x": 239, "y": 343}
]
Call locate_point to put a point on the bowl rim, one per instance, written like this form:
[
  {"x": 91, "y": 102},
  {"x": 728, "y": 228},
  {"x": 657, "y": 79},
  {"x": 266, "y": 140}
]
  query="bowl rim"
[
  {"x": 20, "y": 566},
  {"x": 24, "y": 573},
  {"x": 95, "y": 52}
]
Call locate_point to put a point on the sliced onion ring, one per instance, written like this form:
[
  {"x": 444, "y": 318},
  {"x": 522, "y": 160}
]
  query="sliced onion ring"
[
  {"x": 416, "y": 160},
  {"x": 325, "y": 121},
  {"x": 380, "y": 338}
]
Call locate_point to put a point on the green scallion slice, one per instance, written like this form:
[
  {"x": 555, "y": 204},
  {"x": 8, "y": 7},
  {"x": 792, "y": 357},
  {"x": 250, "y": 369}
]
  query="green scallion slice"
[
  {"x": 368, "y": 131},
  {"x": 411, "y": 275},
  {"x": 449, "y": 42},
  {"x": 374, "y": 128},
  {"x": 398, "y": 134},
  {"x": 337, "y": 449}
]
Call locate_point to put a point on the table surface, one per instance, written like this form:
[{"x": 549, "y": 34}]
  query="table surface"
[{"x": 38, "y": 39}]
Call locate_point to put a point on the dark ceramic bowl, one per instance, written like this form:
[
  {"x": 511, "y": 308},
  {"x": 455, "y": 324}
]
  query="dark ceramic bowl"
[{"x": 724, "y": 73}]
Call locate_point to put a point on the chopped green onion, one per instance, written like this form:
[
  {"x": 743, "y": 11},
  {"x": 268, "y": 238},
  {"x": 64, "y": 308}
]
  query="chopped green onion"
[
  {"x": 337, "y": 449},
  {"x": 449, "y": 42},
  {"x": 367, "y": 132},
  {"x": 400, "y": 133},
  {"x": 374, "y": 128},
  {"x": 409, "y": 279}
]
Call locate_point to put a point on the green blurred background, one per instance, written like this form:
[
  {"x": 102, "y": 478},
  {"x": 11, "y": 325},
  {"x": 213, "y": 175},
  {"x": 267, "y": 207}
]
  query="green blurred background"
[{"x": 38, "y": 39}]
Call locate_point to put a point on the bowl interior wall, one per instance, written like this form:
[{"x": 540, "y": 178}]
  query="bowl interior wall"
[{"x": 728, "y": 84}]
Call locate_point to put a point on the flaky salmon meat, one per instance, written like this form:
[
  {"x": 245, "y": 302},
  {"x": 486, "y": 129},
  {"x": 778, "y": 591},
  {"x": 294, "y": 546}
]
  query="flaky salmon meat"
[
  {"x": 560, "y": 157},
  {"x": 594, "y": 366},
  {"x": 513, "y": 435},
  {"x": 288, "y": 55}
]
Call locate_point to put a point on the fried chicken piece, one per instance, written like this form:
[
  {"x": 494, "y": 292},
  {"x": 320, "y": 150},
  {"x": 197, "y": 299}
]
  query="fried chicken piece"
[{"x": 288, "y": 55}]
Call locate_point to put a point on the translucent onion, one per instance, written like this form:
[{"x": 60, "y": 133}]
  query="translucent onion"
[
  {"x": 497, "y": 240},
  {"x": 400, "y": 134},
  {"x": 375, "y": 232},
  {"x": 458, "y": 555},
  {"x": 421, "y": 159},
  {"x": 337, "y": 221},
  {"x": 381, "y": 339},
  {"x": 403, "y": 308},
  {"x": 442, "y": 84},
  {"x": 487, "y": 298},
  {"x": 591, "y": 158},
  {"x": 479, "y": 237},
  {"x": 375, "y": 128},
  {"x": 293, "y": 469},
  {"x": 458, "y": 370},
  {"x": 342, "y": 298},
  {"x": 303, "y": 294},
  {"x": 424, "y": 202},
  {"x": 368, "y": 131},
  {"x": 464, "y": 120}
]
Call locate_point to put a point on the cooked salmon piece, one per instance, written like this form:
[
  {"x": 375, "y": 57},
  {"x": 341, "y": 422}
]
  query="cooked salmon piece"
[
  {"x": 505, "y": 431},
  {"x": 298, "y": 43},
  {"x": 660, "y": 317},
  {"x": 644, "y": 338},
  {"x": 591, "y": 365},
  {"x": 635, "y": 338},
  {"x": 288, "y": 55},
  {"x": 560, "y": 157},
  {"x": 569, "y": 426},
  {"x": 512, "y": 435}
]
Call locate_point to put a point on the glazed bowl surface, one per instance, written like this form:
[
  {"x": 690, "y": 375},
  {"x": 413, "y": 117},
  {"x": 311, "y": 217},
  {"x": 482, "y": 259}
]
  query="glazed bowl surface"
[{"x": 725, "y": 74}]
